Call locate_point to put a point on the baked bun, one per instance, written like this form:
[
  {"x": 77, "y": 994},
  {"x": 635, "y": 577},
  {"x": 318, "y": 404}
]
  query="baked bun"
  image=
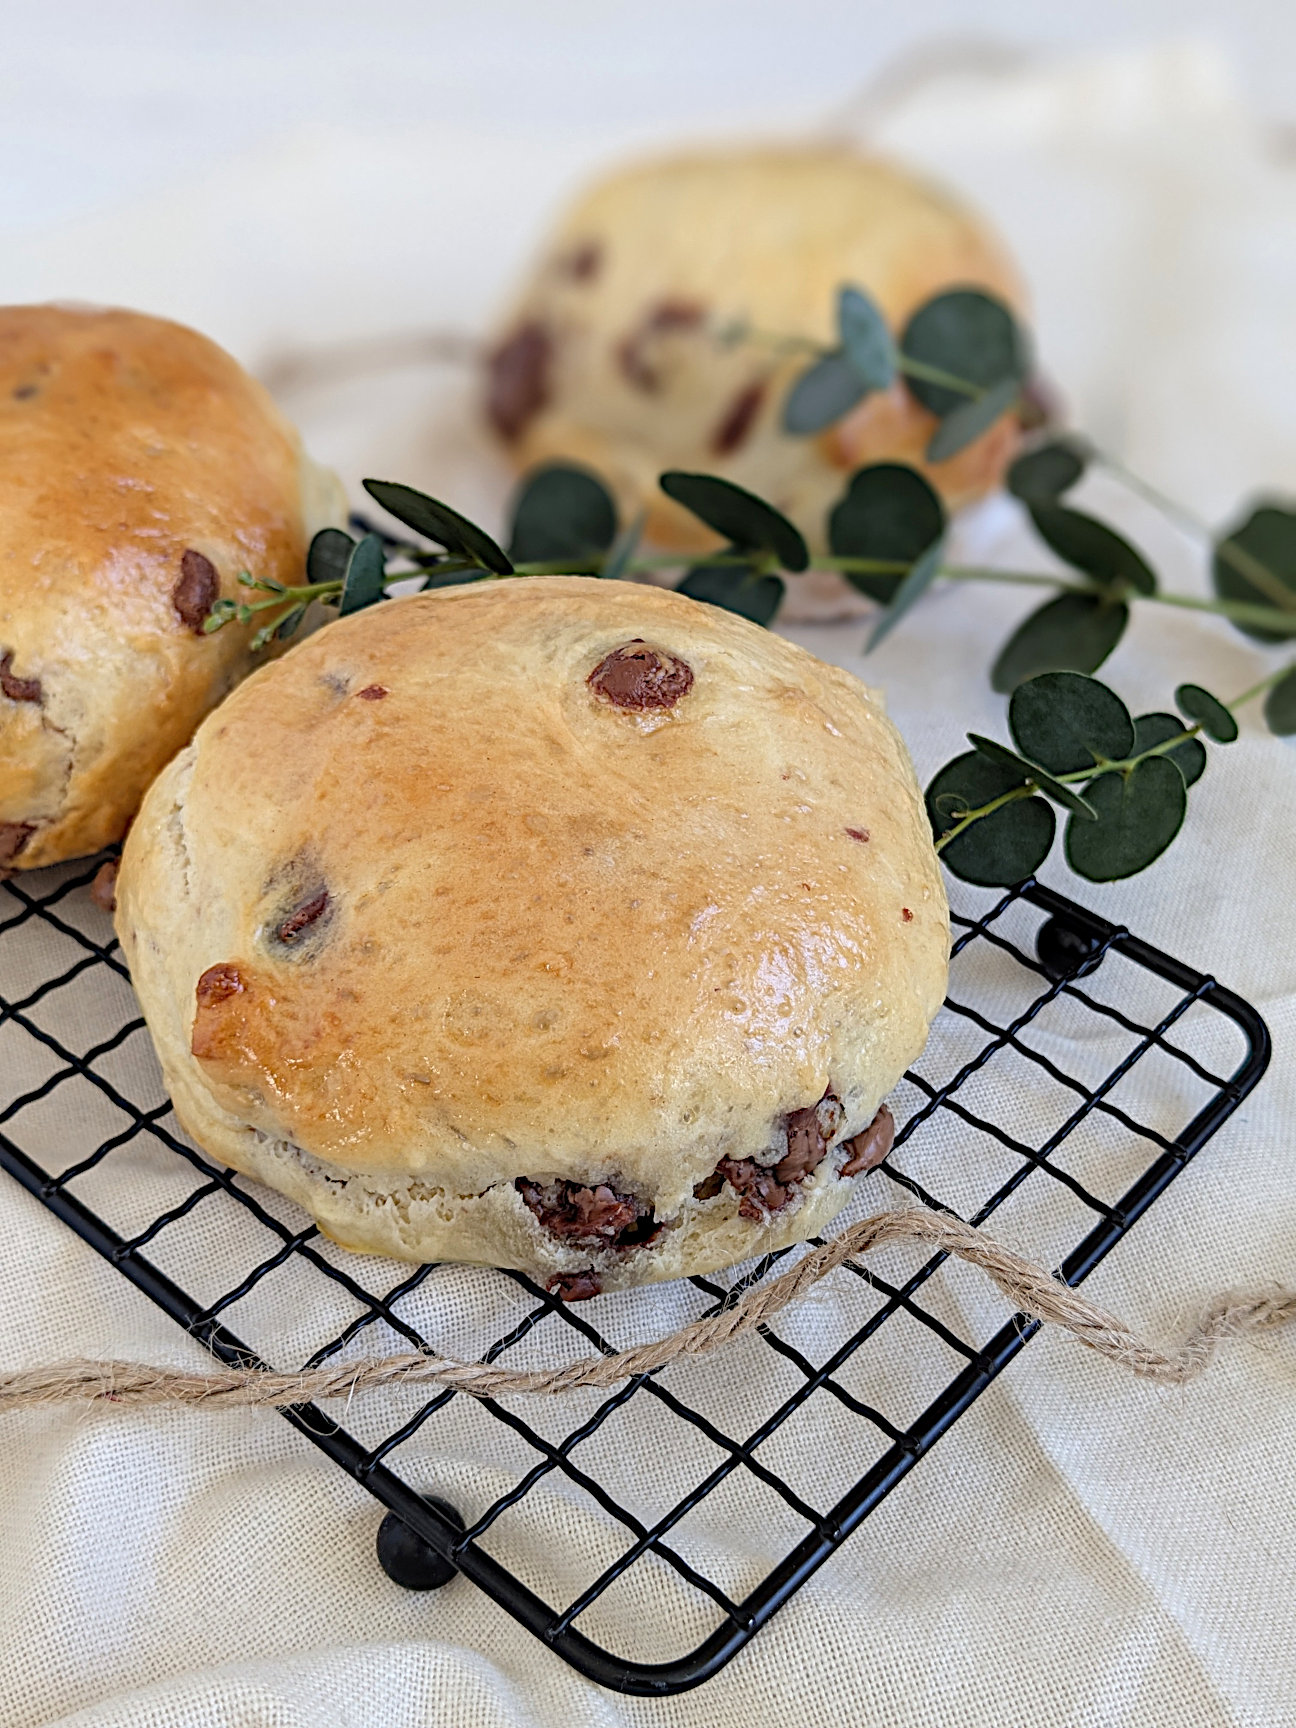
[
  {"x": 141, "y": 470},
  {"x": 611, "y": 355},
  {"x": 559, "y": 924}
]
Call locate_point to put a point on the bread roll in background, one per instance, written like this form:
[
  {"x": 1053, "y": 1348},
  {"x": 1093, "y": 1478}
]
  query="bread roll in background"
[
  {"x": 141, "y": 469},
  {"x": 551, "y": 923},
  {"x": 610, "y": 355}
]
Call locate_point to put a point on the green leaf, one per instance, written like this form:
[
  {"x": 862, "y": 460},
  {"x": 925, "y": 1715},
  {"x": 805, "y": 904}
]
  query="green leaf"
[
  {"x": 439, "y": 523},
  {"x": 998, "y": 850},
  {"x": 1042, "y": 475},
  {"x": 968, "y": 334},
  {"x": 736, "y": 590},
  {"x": 1256, "y": 563},
  {"x": 747, "y": 521},
  {"x": 890, "y": 514},
  {"x": 1206, "y": 711},
  {"x": 1067, "y": 722},
  {"x": 562, "y": 512},
  {"x": 865, "y": 339},
  {"x": 1091, "y": 546},
  {"x": 922, "y": 573},
  {"x": 1189, "y": 757},
  {"x": 452, "y": 578},
  {"x": 330, "y": 551},
  {"x": 970, "y": 419},
  {"x": 1139, "y": 813},
  {"x": 363, "y": 583},
  {"x": 288, "y": 624},
  {"x": 1280, "y": 705},
  {"x": 1054, "y": 789},
  {"x": 822, "y": 394},
  {"x": 1074, "y": 633}
]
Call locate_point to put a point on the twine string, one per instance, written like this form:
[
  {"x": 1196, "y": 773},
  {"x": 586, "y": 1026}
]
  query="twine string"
[{"x": 1031, "y": 1289}]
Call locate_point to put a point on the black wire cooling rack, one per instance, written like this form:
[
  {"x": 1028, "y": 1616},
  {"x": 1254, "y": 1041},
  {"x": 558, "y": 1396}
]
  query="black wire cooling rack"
[{"x": 1018, "y": 1072}]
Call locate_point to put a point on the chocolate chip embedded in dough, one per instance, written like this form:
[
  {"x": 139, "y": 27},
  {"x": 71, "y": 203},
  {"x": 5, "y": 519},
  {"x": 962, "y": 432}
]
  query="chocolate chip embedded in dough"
[
  {"x": 867, "y": 1150},
  {"x": 596, "y": 1215},
  {"x": 809, "y": 1135},
  {"x": 574, "y": 1286},
  {"x": 637, "y": 676},
  {"x": 583, "y": 262},
  {"x": 634, "y": 352},
  {"x": 218, "y": 984},
  {"x": 195, "y": 591},
  {"x": 17, "y": 689},
  {"x": 738, "y": 419},
  {"x": 309, "y": 912},
  {"x": 372, "y": 693},
  {"x": 518, "y": 381},
  {"x": 13, "y": 837},
  {"x": 861, "y": 834}
]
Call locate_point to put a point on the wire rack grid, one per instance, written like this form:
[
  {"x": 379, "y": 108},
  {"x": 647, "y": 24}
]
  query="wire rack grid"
[{"x": 1019, "y": 1070}]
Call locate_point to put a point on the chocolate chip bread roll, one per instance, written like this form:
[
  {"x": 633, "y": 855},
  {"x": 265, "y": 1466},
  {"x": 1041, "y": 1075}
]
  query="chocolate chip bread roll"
[
  {"x": 141, "y": 470},
  {"x": 612, "y": 354},
  {"x": 553, "y": 923}
]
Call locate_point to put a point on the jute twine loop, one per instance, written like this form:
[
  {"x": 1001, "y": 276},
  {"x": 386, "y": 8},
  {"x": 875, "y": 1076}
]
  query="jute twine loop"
[{"x": 1030, "y": 1288}]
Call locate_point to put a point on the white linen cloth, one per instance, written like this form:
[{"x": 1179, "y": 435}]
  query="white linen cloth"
[{"x": 1081, "y": 1549}]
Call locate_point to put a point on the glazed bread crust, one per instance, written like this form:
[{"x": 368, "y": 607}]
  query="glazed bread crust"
[
  {"x": 422, "y": 912},
  {"x": 611, "y": 354},
  {"x": 140, "y": 470}
]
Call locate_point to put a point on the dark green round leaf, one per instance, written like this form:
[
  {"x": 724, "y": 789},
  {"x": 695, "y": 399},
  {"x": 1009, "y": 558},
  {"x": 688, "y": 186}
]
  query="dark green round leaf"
[
  {"x": 891, "y": 514},
  {"x": 971, "y": 336},
  {"x": 1091, "y": 546},
  {"x": 330, "y": 551},
  {"x": 562, "y": 512},
  {"x": 1066, "y": 796},
  {"x": 452, "y": 578},
  {"x": 1189, "y": 757},
  {"x": 822, "y": 394},
  {"x": 363, "y": 583},
  {"x": 865, "y": 339},
  {"x": 998, "y": 850},
  {"x": 287, "y": 625},
  {"x": 962, "y": 425},
  {"x": 922, "y": 573},
  {"x": 438, "y": 522},
  {"x": 1067, "y": 722},
  {"x": 1256, "y": 563},
  {"x": 1042, "y": 475},
  {"x": 1208, "y": 712},
  {"x": 1074, "y": 633},
  {"x": 1280, "y": 705},
  {"x": 737, "y": 590},
  {"x": 748, "y": 521},
  {"x": 1139, "y": 813}
]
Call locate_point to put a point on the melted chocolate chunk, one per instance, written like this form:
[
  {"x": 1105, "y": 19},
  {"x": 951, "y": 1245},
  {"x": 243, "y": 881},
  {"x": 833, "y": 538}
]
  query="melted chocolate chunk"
[
  {"x": 518, "y": 382},
  {"x": 858, "y": 833},
  {"x": 305, "y": 915},
  {"x": 195, "y": 591},
  {"x": 218, "y": 984},
  {"x": 13, "y": 837},
  {"x": 867, "y": 1150},
  {"x": 17, "y": 689},
  {"x": 574, "y": 1286},
  {"x": 584, "y": 262},
  {"x": 766, "y": 1188},
  {"x": 637, "y": 676},
  {"x": 598, "y": 1217},
  {"x": 25, "y": 392},
  {"x": 103, "y": 890},
  {"x": 634, "y": 352},
  {"x": 372, "y": 693},
  {"x": 735, "y": 428}
]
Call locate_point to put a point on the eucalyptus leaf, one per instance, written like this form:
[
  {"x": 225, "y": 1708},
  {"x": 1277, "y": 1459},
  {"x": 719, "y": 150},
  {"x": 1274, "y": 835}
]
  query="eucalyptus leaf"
[
  {"x": 289, "y": 623},
  {"x": 329, "y": 554},
  {"x": 1091, "y": 546},
  {"x": 1139, "y": 812},
  {"x": 998, "y": 850},
  {"x": 439, "y": 523},
  {"x": 363, "y": 583},
  {"x": 922, "y": 573},
  {"x": 452, "y": 578},
  {"x": 1256, "y": 563},
  {"x": 964, "y": 424},
  {"x": 865, "y": 339},
  {"x": 969, "y": 335},
  {"x": 1042, "y": 475},
  {"x": 1054, "y": 789},
  {"x": 822, "y": 395},
  {"x": 1067, "y": 722},
  {"x": 889, "y": 514},
  {"x": 1074, "y": 633},
  {"x": 1280, "y": 705},
  {"x": 562, "y": 513},
  {"x": 1206, "y": 711},
  {"x": 736, "y": 590},
  {"x": 1189, "y": 757},
  {"x": 747, "y": 521}
]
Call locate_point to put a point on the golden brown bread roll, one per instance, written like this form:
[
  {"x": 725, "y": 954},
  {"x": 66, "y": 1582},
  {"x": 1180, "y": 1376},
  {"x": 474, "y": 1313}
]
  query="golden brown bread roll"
[
  {"x": 554, "y": 923},
  {"x": 610, "y": 355},
  {"x": 141, "y": 470}
]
